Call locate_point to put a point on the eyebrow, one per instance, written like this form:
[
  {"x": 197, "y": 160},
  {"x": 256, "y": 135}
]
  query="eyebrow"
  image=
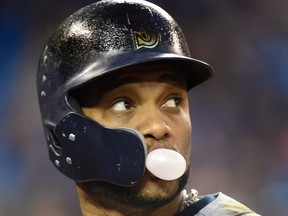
[{"x": 112, "y": 82}]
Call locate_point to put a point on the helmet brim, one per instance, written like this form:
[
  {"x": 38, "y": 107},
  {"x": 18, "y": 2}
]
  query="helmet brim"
[{"x": 195, "y": 71}]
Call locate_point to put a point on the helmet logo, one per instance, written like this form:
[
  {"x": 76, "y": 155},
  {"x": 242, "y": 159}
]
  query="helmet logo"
[{"x": 144, "y": 39}]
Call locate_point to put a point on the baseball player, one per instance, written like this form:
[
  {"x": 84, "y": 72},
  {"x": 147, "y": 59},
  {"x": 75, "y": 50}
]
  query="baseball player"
[{"x": 113, "y": 83}]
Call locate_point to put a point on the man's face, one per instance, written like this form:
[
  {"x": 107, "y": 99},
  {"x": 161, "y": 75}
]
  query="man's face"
[{"x": 154, "y": 101}]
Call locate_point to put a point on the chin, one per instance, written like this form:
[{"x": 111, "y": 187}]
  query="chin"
[
  {"x": 153, "y": 187},
  {"x": 150, "y": 193}
]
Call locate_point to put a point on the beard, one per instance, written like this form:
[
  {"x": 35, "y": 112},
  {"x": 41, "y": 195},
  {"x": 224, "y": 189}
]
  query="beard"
[{"x": 130, "y": 197}]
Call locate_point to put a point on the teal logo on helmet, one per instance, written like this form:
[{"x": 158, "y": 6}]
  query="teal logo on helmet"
[{"x": 143, "y": 39}]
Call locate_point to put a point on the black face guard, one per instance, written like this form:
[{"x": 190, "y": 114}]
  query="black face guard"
[{"x": 91, "y": 151}]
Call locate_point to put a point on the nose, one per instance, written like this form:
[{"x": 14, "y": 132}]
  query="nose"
[{"x": 152, "y": 123}]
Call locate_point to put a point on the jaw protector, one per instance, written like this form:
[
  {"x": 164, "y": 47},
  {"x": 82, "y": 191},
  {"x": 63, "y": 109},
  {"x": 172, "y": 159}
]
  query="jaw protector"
[
  {"x": 91, "y": 151},
  {"x": 98, "y": 39}
]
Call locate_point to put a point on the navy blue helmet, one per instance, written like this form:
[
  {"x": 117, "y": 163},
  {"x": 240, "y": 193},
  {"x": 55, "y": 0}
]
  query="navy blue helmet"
[{"x": 101, "y": 39}]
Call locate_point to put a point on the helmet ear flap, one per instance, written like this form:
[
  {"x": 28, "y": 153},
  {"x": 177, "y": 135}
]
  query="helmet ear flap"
[
  {"x": 75, "y": 104},
  {"x": 55, "y": 148}
]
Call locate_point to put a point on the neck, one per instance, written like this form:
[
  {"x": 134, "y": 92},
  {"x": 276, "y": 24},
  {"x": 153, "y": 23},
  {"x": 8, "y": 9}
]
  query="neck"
[{"x": 91, "y": 206}]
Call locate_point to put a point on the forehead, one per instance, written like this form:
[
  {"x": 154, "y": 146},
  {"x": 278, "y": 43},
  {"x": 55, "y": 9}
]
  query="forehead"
[
  {"x": 147, "y": 73},
  {"x": 152, "y": 72}
]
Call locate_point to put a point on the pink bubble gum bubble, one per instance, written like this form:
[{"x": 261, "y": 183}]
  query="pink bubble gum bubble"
[{"x": 166, "y": 164}]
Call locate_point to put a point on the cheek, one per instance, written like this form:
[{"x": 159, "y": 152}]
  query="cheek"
[
  {"x": 94, "y": 114},
  {"x": 187, "y": 140},
  {"x": 184, "y": 132}
]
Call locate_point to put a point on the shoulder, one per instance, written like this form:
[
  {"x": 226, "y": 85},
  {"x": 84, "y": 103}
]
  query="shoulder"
[{"x": 225, "y": 205}]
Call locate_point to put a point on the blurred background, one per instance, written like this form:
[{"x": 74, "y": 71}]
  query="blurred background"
[{"x": 240, "y": 121}]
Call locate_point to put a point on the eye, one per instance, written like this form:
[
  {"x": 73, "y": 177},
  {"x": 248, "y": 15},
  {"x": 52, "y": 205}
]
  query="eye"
[
  {"x": 173, "y": 102},
  {"x": 122, "y": 105}
]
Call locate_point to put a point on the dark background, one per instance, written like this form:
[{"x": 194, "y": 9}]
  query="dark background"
[{"x": 240, "y": 123}]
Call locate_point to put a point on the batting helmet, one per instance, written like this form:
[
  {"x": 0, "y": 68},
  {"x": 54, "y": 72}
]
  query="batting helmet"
[{"x": 102, "y": 38}]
